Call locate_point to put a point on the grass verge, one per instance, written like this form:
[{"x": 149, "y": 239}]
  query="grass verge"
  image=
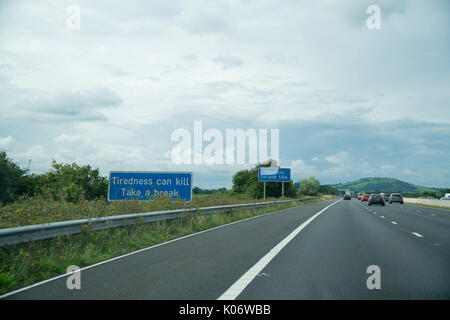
[
  {"x": 38, "y": 210},
  {"x": 28, "y": 263}
]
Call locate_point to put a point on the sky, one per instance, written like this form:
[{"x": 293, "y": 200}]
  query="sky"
[{"x": 349, "y": 101}]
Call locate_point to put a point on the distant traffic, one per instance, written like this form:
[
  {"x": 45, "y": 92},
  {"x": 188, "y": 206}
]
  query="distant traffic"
[{"x": 375, "y": 198}]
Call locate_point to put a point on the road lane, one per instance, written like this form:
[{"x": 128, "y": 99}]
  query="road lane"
[
  {"x": 329, "y": 259},
  {"x": 436, "y": 229}
]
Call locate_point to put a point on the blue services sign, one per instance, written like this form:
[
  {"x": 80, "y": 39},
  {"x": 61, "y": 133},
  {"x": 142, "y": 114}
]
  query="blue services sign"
[
  {"x": 274, "y": 174},
  {"x": 144, "y": 185}
]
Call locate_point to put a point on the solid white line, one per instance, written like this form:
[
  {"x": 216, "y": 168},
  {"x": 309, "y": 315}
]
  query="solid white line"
[
  {"x": 137, "y": 251},
  {"x": 393, "y": 222},
  {"x": 417, "y": 234},
  {"x": 236, "y": 289}
]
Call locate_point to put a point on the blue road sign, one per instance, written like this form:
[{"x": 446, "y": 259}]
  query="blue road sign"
[
  {"x": 274, "y": 174},
  {"x": 144, "y": 185},
  {"x": 297, "y": 185}
]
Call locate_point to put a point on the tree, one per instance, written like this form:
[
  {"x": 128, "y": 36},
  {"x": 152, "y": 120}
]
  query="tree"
[
  {"x": 241, "y": 181},
  {"x": 11, "y": 179},
  {"x": 326, "y": 189},
  {"x": 429, "y": 193},
  {"x": 442, "y": 192},
  {"x": 309, "y": 186}
]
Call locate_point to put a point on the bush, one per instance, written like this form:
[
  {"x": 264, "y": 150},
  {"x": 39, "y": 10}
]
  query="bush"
[
  {"x": 309, "y": 187},
  {"x": 71, "y": 182}
]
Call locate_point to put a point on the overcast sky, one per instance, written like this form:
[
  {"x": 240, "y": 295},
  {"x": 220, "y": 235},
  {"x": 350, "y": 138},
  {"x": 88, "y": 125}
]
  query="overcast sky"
[{"x": 349, "y": 102}]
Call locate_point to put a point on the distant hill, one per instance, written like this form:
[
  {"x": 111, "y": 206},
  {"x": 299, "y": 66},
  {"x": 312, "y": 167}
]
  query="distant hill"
[{"x": 382, "y": 185}]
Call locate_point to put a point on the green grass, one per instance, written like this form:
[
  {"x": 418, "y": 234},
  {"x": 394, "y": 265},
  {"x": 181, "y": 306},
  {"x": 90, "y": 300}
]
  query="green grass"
[{"x": 27, "y": 263}]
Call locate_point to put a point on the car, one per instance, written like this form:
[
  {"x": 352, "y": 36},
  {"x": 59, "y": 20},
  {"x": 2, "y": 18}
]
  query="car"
[
  {"x": 365, "y": 197},
  {"x": 359, "y": 196},
  {"x": 375, "y": 199},
  {"x": 347, "y": 197},
  {"x": 396, "y": 197},
  {"x": 445, "y": 198}
]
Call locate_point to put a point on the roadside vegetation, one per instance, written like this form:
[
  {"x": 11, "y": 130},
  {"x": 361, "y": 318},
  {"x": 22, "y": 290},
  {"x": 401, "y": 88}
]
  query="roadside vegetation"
[{"x": 38, "y": 210}]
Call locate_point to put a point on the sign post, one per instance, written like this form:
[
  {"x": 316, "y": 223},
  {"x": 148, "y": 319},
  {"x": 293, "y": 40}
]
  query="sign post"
[
  {"x": 147, "y": 185},
  {"x": 264, "y": 190},
  {"x": 274, "y": 175}
]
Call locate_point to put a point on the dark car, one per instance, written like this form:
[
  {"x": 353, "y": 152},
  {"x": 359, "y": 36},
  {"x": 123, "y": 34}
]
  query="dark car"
[
  {"x": 375, "y": 199},
  {"x": 365, "y": 197},
  {"x": 347, "y": 197},
  {"x": 396, "y": 197}
]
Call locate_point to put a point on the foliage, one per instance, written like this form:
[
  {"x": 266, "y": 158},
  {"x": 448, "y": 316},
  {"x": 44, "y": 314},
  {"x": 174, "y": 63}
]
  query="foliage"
[
  {"x": 64, "y": 182},
  {"x": 309, "y": 186},
  {"x": 71, "y": 182},
  {"x": 197, "y": 190},
  {"x": 12, "y": 179},
  {"x": 326, "y": 189}
]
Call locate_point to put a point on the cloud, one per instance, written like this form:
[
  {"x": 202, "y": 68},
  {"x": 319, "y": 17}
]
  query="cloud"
[
  {"x": 111, "y": 93},
  {"x": 73, "y": 103},
  {"x": 341, "y": 158},
  {"x": 228, "y": 62},
  {"x": 300, "y": 168},
  {"x": 7, "y": 143}
]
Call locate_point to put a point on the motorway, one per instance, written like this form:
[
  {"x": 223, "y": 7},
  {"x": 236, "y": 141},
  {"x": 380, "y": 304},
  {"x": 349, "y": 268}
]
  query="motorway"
[{"x": 295, "y": 253}]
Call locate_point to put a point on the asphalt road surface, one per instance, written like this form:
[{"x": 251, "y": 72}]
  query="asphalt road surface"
[{"x": 291, "y": 256}]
